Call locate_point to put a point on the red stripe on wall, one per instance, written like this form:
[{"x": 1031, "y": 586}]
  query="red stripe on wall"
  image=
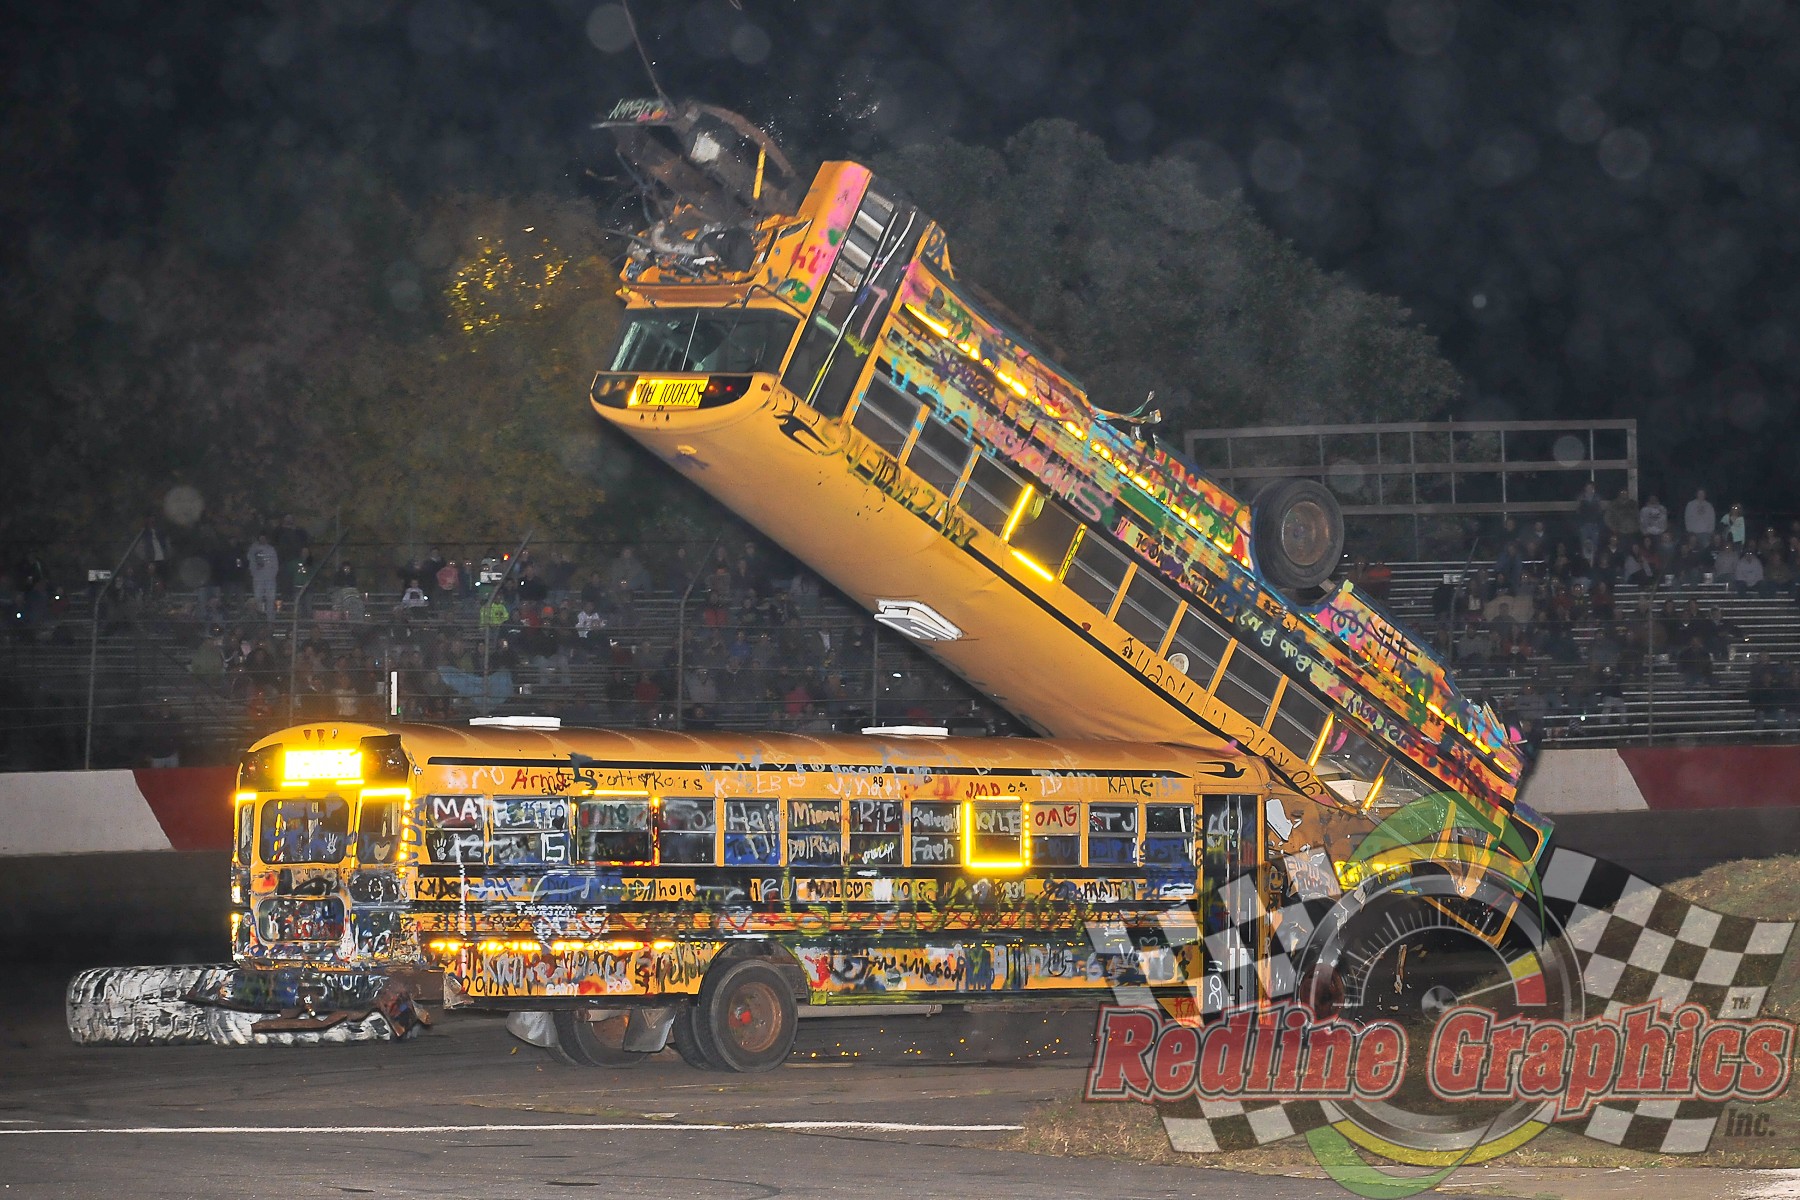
[
  {"x": 1716, "y": 776},
  {"x": 192, "y": 804}
]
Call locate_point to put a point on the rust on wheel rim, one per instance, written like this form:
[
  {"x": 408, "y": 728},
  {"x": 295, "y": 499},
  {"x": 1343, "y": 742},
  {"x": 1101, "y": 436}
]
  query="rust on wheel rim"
[
  {"x": 1306, "y": 532},
  {"x": 753, "y": 1017}
]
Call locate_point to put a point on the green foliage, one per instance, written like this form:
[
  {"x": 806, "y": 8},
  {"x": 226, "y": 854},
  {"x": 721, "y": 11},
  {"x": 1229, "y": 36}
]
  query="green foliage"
[
  {"x": 1145, "y": 282},
  {"x": 410, "y": 371}
]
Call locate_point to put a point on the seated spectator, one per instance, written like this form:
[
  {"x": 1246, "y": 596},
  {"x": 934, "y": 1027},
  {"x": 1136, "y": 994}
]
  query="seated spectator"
[
  {"x": 208, "y": 659},
  {"x": 1695, "y": 561},
  {"x": 413, "y": 599},
  {"x": 1642, "y": 563},
  {"x": 1622, "y": 515},
  {"x": 1725, "y": 560},
  {"x": 1728, "y": 632},
  {"x": 1778, "y": 574},
  {"x": 1509, "y": 565},
  {"x": 1749, "y": 576},
  {"x": 1695, "y": 663},
  {"x": 1696, "y": 625},
  {"x": 1605, "y": 651},
  {"x": 1600, "y": 599}
]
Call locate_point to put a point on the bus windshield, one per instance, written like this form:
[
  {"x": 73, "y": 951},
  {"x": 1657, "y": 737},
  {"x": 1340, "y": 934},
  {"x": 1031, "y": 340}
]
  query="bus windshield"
[{"x": 727, "y": 341}]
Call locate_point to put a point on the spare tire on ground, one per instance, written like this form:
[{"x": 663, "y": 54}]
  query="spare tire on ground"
[{"x": 140, "y": 1006}]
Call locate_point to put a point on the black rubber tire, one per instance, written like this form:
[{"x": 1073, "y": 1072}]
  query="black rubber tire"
[
  {"x": 583, "y": 1043},
  {"x": 748, "y": 1015},
  {"x": 688, "y": 1035},
  {"x": 1297, "y": 533}
]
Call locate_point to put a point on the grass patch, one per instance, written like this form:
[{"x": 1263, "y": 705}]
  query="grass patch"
[{"x": 1767, "y": 889}]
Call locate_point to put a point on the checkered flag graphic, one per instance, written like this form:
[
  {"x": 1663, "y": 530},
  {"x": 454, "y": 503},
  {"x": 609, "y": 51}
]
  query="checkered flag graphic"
[
  {"x": 1639, "y": 944},
  {"x": 1635, "y": 943}
]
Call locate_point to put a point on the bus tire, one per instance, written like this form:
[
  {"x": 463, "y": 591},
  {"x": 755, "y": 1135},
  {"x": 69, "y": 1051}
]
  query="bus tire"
[
  {"x": 139, "y": 1006},
  {"x": 748, "y": 1016},
  {"x": 592, "y": 1043},
  {"x": 689, "y": 1038},
  {"x": 1297, "y": 532}
]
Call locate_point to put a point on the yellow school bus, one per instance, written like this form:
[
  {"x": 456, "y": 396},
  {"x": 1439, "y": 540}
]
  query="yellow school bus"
[
  {"x": 641, "y": 885},
  {"x": 812, "y": 359}
]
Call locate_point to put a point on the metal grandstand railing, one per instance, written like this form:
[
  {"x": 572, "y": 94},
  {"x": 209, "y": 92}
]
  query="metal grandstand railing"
[{"x": 1411, "y": 479}]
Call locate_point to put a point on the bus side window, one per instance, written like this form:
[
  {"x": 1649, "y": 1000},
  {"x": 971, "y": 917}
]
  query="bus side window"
[
  {"x": 752, "y": 833},
  {"x": 1042, "y": 536},
  {"x": 453, "y": 828},
  {"x": 991, "y": 494},
  {"x": 1200, "y": 643},
  {"x": 613, "y": 829},
  {"x": 687, "y": 831},
  {"x": 1147, "y": 609},
  {"x": 936, "y": 829},
  {"x": 1168, "y": 835},
  {"x": 1056, "y": 835},
  {"x": 378, "y": 831},
  {"x": 815, "y": 833},
  {"x": 1298, "y": 722},
  {"x": 529, "y": 830},
  {"x": 875, "y": 833},
  {"x": 939, "y": 455},
  {"x": 1097, "y": 571},
  {"x": 885, "y": 416},
  {"x": 995, "y": 833},
  {"x": 1112, "y": 835},
  {"x": 1248, "y": 687},
  {"x": 246, "y": 832}
]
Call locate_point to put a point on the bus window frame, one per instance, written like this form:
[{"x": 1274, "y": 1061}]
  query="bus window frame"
[
  {"x": 955, "y": 837},
  {"x": 662, "y": 829},
  {"x": 301, "y": 796},
  {"x": 778, "y": 832},
  {"x": 759, "y": 314},
  {"x": 579, "y": 858},
  {"x": 788, "y": 832},
  {"x": 429, "y": 826}
]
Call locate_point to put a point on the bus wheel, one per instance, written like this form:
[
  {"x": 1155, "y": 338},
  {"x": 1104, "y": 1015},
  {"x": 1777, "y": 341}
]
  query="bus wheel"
[
  {"x": 690, "y": 1039},
  {"x": 748, "y": 1015},
  {"x": 1297, "y": 531},
  {"x": 594, "y": 1039}
]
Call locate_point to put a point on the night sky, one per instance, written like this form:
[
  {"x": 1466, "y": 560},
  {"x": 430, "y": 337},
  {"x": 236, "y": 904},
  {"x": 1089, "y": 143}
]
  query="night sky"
[{"x": 1592, "y": 205}]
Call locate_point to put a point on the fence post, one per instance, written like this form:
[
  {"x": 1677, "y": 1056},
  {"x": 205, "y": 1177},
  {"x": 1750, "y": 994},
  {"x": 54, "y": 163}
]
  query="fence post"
[
  {"x": 294, "y": 620},
  {"x": 1650, "y": 664},
  {"x": 681, "y": 635},
  {"x": 875, "y": 674},
  {"x": 106, "y": 585}
]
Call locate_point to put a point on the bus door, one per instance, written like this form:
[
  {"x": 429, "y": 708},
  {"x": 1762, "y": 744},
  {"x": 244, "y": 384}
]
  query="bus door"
[{"x": 1232, "y": 924}]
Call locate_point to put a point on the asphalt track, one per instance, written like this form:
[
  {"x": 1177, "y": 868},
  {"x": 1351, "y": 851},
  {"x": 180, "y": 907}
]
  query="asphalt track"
[{"x": 470, "y": 1112}]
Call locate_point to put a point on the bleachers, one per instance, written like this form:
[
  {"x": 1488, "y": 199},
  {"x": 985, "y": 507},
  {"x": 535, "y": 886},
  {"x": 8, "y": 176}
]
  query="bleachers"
[
  {"x": 1657, "y": 703},
  {"x": 143, "y": 674}
]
